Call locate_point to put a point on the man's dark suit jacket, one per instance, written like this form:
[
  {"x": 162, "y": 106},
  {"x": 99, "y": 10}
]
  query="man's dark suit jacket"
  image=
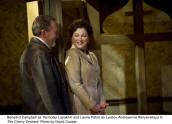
[{"x": 43, "y": 89}]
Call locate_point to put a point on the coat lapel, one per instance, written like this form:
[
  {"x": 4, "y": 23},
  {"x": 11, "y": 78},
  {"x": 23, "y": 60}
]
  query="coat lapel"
[
  {"x": 92, "y": 61},
  {"x": 86, "y": 57}
]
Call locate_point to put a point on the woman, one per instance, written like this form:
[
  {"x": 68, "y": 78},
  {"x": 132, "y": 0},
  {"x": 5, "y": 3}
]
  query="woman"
[{"x": 84, "y": 72}]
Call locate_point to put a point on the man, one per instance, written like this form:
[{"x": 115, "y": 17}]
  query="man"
[{"x": 44, "y": 90}]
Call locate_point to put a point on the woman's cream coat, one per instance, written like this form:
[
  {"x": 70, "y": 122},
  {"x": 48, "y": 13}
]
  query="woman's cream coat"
[{"x": 84, "y": 78}]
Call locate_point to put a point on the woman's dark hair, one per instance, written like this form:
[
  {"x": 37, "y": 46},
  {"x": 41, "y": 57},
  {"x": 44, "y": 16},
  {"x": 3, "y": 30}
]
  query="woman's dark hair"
[{"x": 80, "y": 23}]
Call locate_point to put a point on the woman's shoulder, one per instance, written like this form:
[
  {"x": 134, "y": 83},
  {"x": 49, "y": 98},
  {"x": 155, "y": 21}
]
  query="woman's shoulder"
[{"x": 72, "y": 52}]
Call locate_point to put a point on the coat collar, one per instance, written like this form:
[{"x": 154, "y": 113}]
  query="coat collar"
[
  {"x": 37, "y": 41},
  {"x": 92, "y": 59},
  {"x": 43, "y": 41}
]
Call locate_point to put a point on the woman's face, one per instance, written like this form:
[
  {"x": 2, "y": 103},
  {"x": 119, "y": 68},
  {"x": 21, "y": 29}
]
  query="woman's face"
[{"x": 80, "y": 38}]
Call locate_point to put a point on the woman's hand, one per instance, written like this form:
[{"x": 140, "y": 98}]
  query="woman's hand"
[
  {"x": 97, "y": 109},
  {"x": 104, "y": 105}
]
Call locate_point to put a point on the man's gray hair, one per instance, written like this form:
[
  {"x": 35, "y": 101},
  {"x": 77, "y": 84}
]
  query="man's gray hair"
[{"x": 41, "y": 22}]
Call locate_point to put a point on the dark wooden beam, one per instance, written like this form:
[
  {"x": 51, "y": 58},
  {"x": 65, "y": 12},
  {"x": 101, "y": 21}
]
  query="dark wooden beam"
[
  {"x": 138, "y": 19},
  {"x": 140, "y": 39},
  {"x": 31, "y": 0},
  {"x": 114, "y": 102},
  {"x": 138, "y": 13},
  {"x": 41, "y": 7}
]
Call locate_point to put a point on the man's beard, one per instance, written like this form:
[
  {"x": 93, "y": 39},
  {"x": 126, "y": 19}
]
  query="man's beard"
[{"x": 53, "y": 45}]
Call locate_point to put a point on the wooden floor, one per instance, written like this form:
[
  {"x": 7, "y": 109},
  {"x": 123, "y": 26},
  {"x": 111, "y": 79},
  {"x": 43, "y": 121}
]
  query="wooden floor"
[{"x": 5, "y": 110}]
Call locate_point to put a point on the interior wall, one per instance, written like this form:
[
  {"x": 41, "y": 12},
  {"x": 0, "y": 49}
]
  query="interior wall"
[
  {"x": 158, "y": 62},
  {"x": 13, "y": 40},
  {"x": 157, "y": 57}
]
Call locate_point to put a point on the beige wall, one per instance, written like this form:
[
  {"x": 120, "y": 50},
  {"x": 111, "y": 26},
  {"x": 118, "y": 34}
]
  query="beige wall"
[{"x": 32, "y": 13}]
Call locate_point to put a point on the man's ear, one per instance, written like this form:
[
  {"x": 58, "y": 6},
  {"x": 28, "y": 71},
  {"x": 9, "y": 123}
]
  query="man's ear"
[{"x": 43, "y": 33}]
